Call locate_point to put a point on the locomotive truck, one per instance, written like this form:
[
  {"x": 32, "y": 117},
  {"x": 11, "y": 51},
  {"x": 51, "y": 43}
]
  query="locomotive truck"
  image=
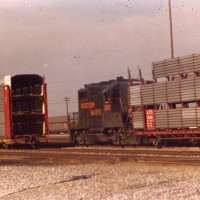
[
  {"x": 127, "y": 111},
  {"x": 23, "y": 110}
]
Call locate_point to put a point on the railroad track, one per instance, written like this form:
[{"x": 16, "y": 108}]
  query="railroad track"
[{"x": 109, "y": 155}]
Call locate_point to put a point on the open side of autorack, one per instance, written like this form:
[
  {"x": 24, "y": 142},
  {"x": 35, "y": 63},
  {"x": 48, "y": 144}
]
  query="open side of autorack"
[{"x": 23, "y": 110}]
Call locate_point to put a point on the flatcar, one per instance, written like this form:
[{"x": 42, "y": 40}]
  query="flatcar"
[
  {"x": 169, "y": 109},
  {"x": 23, "y": 110},
  {"x": 127, "y": 111}
]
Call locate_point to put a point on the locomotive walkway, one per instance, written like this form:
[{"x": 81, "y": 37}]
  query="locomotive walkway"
[{"x": 110, "y": 155}]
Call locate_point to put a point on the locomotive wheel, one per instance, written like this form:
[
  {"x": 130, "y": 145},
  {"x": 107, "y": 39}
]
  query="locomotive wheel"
[
  {"x": 86, "y": 141},
  {"x": 7, "y": 146},
  {"x": 81, "y": 138},
  {"x": 115, "y": 137},
  {"x": 122, "y": 138},
  {"x": 118, "y": 137},
  {"x": 73, "y": 137}
]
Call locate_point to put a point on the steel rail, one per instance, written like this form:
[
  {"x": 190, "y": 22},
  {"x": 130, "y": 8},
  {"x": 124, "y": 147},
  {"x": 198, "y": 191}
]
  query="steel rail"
[{"x": 95, "y": 155}]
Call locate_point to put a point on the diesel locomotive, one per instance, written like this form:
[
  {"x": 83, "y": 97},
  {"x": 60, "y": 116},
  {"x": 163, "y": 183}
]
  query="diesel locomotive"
[{"x": 103, "y": 112}]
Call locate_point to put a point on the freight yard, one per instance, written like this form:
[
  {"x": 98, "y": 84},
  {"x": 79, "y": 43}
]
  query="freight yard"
[
  {"x": 91, "y": 104},
  {"x": 88, "y": 171}
]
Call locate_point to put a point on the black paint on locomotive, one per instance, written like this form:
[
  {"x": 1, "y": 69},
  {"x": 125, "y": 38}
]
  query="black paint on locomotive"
[{"x": 103, "y": 109}]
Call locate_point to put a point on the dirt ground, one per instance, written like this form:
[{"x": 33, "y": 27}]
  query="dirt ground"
[{"x": 99, "y": 181}]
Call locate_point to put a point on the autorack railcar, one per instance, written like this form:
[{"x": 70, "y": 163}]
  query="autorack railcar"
[
  {"x": 168, "y": 110},
  {"x": 23, "y": 110}
]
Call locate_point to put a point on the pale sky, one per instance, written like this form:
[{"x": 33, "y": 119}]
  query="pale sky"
[{"x": 75, "y": 42}]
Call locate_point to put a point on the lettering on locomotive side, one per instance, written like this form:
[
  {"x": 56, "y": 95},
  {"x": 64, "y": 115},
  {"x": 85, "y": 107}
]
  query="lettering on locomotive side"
[
  {"x": 88, "y": 105},
  {"x": 95, "y": 112},
  {"x": 107, "y": 107},
  {"x": 150, "y": 120}
]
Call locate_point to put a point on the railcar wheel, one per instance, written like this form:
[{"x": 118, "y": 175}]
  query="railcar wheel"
[
  {"x": 157, "y": 142},
  {"x": 34, "y": 143},
  {"x": 160, "y": 144},
  {"x": 137, "y": 141},
  {"x": 7, "y": 146}
]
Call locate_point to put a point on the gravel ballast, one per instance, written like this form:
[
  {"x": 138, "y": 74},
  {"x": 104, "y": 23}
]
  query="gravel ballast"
[{"x": 99, "y": 181}]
